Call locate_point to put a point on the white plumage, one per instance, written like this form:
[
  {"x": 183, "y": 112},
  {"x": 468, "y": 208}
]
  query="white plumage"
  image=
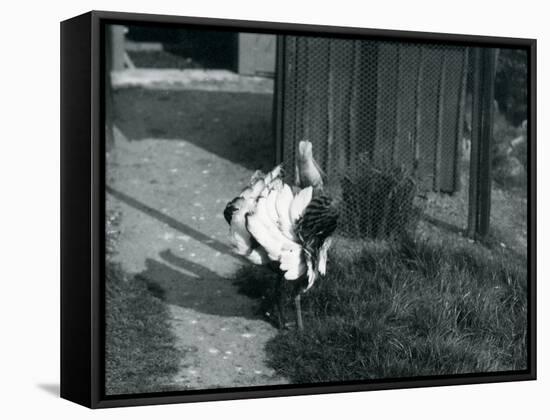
[{"x": 270, "y": 223}]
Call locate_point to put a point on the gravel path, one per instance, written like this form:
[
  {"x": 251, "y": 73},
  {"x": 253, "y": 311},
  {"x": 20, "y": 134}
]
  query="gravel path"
[{"x": 171, "y": 194}]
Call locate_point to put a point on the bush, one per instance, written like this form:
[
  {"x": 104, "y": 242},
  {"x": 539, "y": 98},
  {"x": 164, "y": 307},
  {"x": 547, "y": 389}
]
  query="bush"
[
  {"x": 511, "y": 84},
  {"x": 509, "y": 161},
  {"x": 378, "y": 203}
]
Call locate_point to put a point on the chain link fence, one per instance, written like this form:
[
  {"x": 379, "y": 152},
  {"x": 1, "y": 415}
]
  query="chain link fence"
[
  {"x": 390, "y": 124},
  {"x": 393, "y": 124}
]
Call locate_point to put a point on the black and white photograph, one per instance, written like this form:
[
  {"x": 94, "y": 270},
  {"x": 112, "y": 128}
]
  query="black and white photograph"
[
  {"x": 275, "y": 210},
  {"x": 288, "y": 209}
]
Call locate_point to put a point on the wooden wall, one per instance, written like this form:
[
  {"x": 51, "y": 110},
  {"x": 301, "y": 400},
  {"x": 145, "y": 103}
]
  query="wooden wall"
[{"x": 386, "y": 101}]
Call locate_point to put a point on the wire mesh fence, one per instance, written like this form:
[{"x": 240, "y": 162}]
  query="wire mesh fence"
[
  {"x": 386, "y": 120},
  {"x": 393, "y": 124}
]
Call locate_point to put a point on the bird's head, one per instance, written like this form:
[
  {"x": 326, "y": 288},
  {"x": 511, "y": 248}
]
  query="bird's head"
[
  {"x": 231, "y": 207},
  {"x": 308, "y": 171},
  {"x": 305, "y": 150}
]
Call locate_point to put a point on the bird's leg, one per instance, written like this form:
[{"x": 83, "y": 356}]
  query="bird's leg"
[
  {"x": 298, "y": 305},
  {"x": 280, "y": 302}
]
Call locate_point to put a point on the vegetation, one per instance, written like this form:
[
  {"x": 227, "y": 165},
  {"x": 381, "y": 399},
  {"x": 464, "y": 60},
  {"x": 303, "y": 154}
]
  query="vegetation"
[
  {"x": 378, "y": 203},
  {"x": 140, "y": 355},
  {"x": 511, "y": 84},
  {"x": 418, "y": 308},
  {"x": 509, "y": 160},
  {"x": 509, "y": 152},
  {"x": 140, "y": 352}
]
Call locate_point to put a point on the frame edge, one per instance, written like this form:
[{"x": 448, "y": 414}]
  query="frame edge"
[{"x": 75, "y": 129}]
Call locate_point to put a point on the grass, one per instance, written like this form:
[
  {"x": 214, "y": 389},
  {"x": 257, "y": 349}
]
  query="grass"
[
  {"x": 140, "y": 355},
  {"x": 405, "y": 310},
  {"x": 393, "y": 190}
]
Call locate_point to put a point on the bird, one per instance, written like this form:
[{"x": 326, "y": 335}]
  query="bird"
[{"x": 289, "y": 228}]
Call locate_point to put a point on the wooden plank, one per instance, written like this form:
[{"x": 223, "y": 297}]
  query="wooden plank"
[
  {"x": 342, "y": 65},
  {"x": 479, "y": 206},
  {"x": 428, "y": 99},
  {"x": 289, "y": 105},
  {"x": 278, "y": 100},
  {"x": 354, "y": 105},
  {"x": 485, "y": 154},
  {"x": 302, "y": 73},
  {"x": 305, "y": 85},
  {"x": 405, "y": 115},
  {"x": 418, "y": 112},
  {"x": 367, "y": 98},
  {"x": 451, "y": 115},
  {"x": 387, "y": 93},
  {"x": 460, "y": 122},
  {"x": 117, "y": 46},
  {"x": 317, "y": 98},
  {"x": 109, "y": 103},
  {"x": 330, "y": 110},
  {"x": 439, "y": 133},
  {"x": 397, "y": 118},
  {"x": 474, "y": 145}
]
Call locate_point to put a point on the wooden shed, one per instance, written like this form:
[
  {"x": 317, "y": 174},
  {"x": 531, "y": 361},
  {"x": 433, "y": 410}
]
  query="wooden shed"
[{"x": 394, "y": 103}]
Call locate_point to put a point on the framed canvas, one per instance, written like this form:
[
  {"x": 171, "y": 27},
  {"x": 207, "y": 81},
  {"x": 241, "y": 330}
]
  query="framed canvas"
[{"x": 254, "y": 209}]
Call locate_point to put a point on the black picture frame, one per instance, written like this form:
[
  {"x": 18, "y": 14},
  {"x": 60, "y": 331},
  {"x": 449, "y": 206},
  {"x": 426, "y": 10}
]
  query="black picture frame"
[{"x": 83, "y": 213}]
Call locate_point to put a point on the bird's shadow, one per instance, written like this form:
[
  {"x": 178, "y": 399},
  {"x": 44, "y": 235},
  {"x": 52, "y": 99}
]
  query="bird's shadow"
[
  {"x": 241, "y": 134},
  {"x": 187, "y": 284},
  {"x": 194, "y": 286}
]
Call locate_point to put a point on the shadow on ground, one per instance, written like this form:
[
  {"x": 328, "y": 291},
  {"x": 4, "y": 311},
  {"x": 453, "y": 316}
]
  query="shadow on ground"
[
  {"x": 170, "y": 221},
  {"x": 234, "y": 126},
  {"x": 194, "y": 286}
]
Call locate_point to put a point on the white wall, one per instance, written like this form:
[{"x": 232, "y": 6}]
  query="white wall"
[{"x": 29, "y": 166}]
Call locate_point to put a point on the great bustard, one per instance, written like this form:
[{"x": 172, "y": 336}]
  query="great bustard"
[{"x": 289, "y": 228}]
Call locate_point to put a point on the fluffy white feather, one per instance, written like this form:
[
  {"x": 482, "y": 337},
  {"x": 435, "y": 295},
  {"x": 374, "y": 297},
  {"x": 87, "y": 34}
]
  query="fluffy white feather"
[
  {"x": 291, "y": 262},
  {"x": 274, "y": 174},
  {"x": 284, "y": 199},
  {"x": 258, "y": 256},
  {"x": 271, "y": 206},
  {"x": 323, "y": 256},
  {"x": 266, "y": 232},
  {"x": 239, "y": 235},
  {"x": 311, "y": 274}
]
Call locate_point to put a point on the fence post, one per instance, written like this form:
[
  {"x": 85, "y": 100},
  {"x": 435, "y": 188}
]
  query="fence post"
[
  {"x": 118, "y": 51},
  {"x": 108, "y": 105},
  {"x": 278, "y": 99},
  {"x": 483, "y": 88}
]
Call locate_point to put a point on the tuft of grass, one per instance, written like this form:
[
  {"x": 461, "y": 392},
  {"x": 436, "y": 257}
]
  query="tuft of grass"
[
  {"x": 140, "y": 352},
  {"x": 389, "y": 193},
  {"x": 413, "y": 309}
]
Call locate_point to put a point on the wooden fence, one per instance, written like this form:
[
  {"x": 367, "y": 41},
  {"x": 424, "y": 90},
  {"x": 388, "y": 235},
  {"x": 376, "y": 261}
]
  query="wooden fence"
[{"x": 396, "y": 104}]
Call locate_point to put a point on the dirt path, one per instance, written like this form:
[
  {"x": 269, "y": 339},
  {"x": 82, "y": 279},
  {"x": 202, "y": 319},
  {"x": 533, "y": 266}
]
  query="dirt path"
[{"x": 171, "y": 194}]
